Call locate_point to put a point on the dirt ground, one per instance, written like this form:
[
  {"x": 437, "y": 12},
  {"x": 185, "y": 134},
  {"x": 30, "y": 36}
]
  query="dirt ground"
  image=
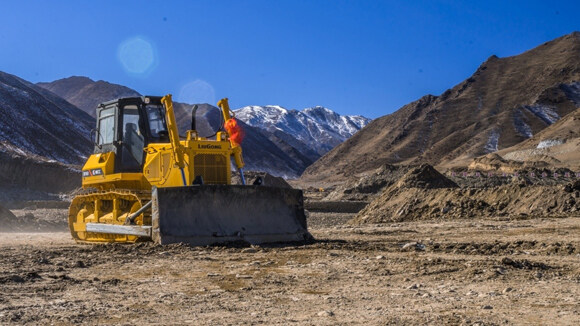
[{"x": 468, "y": 272}]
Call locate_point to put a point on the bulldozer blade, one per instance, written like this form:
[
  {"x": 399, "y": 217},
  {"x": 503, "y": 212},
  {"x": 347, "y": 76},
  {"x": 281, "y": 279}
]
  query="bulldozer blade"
[
  {"x": 142, "y": 231},
  {"x": 210, "y": 214}
]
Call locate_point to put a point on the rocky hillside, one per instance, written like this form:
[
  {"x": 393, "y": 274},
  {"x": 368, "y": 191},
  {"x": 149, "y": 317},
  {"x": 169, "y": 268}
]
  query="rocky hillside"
[
  {"x": 506, "y": 101},
  {"x": 34, "y": 121},
  {"x": 558, "y": 145},
  {"x": 86, "y": 93}
]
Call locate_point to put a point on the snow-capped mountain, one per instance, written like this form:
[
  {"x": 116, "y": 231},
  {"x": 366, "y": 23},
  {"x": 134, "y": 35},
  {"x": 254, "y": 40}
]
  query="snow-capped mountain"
[{"x": 318, "y": 128}]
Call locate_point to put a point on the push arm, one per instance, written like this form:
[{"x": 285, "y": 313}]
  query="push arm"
[
  {"x": 178, "y": 150},
  {"x": 236, "y": 147}
]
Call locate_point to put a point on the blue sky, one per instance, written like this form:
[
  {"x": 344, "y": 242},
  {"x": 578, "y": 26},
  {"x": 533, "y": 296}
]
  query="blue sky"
[{"x": 354, "y": 57}]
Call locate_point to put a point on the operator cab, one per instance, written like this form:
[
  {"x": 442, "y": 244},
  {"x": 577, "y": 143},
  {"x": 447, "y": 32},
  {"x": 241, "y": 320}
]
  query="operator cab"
[{"x": 126, "y": 126}]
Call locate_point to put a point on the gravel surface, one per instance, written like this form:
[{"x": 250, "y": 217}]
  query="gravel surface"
[{"x": 472, "y": 272}]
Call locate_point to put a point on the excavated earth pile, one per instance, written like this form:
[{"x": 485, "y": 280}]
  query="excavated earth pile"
[
  {"x": 6, "y": 219},
  {"x": 32, "y": 219},
  {"x": 266, "y": 179},
  {"x": 367, "y": 187},
  {"x": 426, "y": 177},
  {"x": 423, "y": 193}
]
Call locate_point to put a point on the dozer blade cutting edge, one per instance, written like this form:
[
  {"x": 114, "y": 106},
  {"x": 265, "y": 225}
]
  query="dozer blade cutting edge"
[{"x": 210, "y": 214}]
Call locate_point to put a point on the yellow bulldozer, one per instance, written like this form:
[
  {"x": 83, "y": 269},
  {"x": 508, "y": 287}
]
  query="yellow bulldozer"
[{"x": 145, "y": 183}]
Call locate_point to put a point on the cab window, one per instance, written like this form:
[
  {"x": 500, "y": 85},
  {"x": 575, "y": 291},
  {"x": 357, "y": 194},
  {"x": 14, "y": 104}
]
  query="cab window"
[
  {"x": 156, "y": 117},
  {"x": 133, "y": 140},
  {"x": 106, "y": 126}
]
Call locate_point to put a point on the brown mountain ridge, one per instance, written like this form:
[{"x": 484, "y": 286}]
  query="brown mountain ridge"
[
  {"x": 506, "y": 101},
  {"x": 87, "y": 94}
]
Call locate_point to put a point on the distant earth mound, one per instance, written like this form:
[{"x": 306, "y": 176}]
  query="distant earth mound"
[
  {"x": 494, "y": 162},
  {"x": 425, "y": 177},
  {"x": 367, "y": 187},
  {"x": 260, "y": 178}
]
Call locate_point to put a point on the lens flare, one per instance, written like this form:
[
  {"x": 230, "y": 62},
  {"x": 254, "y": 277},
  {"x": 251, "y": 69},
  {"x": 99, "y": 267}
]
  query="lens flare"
[
  {"x": 197, "y": 91},
  {"x": 137, "y": 55}
]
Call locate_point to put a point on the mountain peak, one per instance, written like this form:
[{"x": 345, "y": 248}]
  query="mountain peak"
[
  {"x": 573, "y": 35},
  {"x": 69, "y": 81},
  {"x": 77, "y": 79},
  {"x": 86, "y": 93},
  {"x": 319, "y": 108},
  {"x": 318, "y": 128}
]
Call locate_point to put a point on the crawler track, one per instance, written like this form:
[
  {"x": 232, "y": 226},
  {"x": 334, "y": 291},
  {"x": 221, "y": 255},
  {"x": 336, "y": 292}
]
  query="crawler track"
[{"x": 108, "y": 207}]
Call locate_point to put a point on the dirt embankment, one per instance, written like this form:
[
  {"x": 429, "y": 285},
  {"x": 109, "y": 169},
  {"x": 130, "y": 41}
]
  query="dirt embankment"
[
  {"x": 483, "y": 172},
  {"x": 260, "y": 178},
  {"x": 367, "y": 187},
  {"x": 423, "y": 193},
  {"x": 26, "y": 178}
]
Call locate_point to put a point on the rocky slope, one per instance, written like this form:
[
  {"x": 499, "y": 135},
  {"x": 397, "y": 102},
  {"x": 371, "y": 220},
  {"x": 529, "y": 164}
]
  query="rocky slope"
[
  {"x": 506, "y": 101},
  {"x": 557, "y": 145},
  {"x": 31, "y": 177},
  {"x": 34, "y": 121}
]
